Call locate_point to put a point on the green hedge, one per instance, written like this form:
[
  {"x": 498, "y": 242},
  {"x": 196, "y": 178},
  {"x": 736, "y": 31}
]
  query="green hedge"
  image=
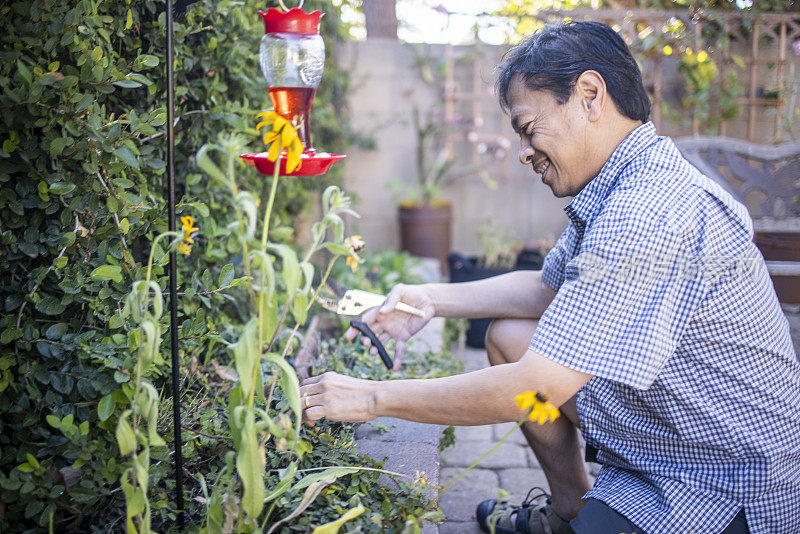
[{"x": 82, "y": 193}]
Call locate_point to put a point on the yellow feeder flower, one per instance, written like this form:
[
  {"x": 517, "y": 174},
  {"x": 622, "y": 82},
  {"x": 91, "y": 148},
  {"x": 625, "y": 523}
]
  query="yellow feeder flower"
[
  {"x": 540, "y": 409},
  {"x": 281, "y": 130},
  {"x": 667, "y": 50}
]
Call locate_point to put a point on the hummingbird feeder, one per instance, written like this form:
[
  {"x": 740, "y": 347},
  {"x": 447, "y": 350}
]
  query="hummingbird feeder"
[{"x": 292, "y": 58}]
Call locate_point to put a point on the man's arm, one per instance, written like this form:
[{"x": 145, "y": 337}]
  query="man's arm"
[
  {"x": 477, "y": 398},
  {"x": 518, "y": 294}
]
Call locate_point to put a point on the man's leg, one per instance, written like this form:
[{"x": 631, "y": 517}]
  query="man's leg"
[{"x": 555, "y": 444}]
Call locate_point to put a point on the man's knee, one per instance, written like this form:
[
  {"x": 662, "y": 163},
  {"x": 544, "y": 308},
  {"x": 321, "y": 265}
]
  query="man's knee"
[{"x": 507, "y": 340}]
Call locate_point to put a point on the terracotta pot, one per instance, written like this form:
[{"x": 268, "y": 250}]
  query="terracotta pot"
[{"x": 425, "y": 230}]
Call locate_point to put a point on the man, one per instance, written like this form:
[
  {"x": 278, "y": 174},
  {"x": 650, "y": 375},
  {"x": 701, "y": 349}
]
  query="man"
[{"x": 653, "y": 324}]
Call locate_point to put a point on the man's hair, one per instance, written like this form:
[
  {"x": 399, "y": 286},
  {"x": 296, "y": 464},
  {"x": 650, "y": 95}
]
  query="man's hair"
[{"x": 554, "y": 57}]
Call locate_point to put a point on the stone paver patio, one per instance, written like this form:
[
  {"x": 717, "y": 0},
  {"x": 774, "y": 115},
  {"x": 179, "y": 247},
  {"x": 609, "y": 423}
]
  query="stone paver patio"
[{"x": 512, "y": 467}]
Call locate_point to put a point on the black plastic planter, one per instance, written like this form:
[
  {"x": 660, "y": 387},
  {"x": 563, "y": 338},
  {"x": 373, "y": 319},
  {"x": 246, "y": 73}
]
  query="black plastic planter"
[{"x": 467, "y": 269}]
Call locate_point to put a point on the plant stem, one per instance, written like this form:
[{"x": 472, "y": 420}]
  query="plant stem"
[
  {"x": 483, "y": 456},
  {"x": 152, "y": 251},
  {"x": 264, "y": 240}
]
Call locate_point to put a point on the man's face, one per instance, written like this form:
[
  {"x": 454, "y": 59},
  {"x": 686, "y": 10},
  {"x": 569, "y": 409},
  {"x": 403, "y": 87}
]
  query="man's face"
[{"x": 552, "y": 137}]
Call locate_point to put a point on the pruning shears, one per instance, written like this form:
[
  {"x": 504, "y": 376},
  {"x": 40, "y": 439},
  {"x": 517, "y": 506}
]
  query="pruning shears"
[{"x": 353, "y": 303}]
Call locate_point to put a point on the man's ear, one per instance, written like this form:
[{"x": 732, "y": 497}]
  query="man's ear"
[{"x": 591, "y": 89}]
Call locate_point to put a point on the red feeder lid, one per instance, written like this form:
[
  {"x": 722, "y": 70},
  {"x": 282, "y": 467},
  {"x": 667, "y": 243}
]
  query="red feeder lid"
[{"x": 293, "y": 21}]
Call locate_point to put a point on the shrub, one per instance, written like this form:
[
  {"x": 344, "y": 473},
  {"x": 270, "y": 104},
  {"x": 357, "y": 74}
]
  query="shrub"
[{"x": 82, "y": 179}]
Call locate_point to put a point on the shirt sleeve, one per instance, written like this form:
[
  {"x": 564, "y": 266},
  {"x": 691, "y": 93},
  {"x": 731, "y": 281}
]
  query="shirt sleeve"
[
  {"x": 555, "y": 261},
  {"x": 623, "y": 306}
]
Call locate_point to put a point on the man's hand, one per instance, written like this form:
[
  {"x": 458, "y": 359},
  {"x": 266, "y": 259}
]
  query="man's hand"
[
  {"x": 388, "y": 323},
  {"x": 338, "y": 398}
]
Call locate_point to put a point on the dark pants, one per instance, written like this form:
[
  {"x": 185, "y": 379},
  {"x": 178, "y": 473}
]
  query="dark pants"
[{"x": 597, "y": 518}]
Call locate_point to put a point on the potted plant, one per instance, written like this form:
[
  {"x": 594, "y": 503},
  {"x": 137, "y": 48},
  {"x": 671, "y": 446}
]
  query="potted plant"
[
  {"x": 499, "y": 254},
  {"x": 425, "y": 218}
]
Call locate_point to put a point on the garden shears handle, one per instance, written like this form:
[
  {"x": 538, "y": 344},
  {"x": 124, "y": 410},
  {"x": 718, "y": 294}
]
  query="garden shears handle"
[{"x": 362, "y": 327}]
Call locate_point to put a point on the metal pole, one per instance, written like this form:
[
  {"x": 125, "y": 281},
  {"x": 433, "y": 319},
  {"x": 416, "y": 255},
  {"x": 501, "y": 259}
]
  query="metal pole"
[{"x": 173, "y": 287}]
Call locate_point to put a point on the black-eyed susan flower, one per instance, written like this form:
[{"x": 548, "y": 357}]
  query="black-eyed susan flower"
[
  {"x": 189, "y": 229},
  {"x": 354, "y": 245},
  {"x": 540, "y": 409},
  {"x": 281, "y": 130}
]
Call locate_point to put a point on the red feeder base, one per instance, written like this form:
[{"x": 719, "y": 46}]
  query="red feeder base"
[{"x": 311, "y": 165}]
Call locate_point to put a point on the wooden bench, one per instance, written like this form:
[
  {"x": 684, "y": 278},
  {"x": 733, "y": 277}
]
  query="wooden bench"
[{"x": 766, "y": 179}]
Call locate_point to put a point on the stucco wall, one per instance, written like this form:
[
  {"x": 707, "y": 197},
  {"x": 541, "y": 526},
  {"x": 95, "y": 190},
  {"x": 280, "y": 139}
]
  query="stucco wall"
[{"x": 386, "y": 80}]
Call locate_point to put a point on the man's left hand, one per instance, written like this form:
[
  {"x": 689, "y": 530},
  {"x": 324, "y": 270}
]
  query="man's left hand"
[{"x": 337, "y": 398}]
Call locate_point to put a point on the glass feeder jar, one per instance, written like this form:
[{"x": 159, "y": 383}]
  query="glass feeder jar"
[{"x": 292, "y": 58}]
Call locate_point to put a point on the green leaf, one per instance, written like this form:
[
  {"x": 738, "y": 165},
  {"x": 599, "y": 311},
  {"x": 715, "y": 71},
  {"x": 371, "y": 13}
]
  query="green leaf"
[
  {"x": 290, "y": 386},
  {"x": 106, "y": 407},
  {"x": 334, "y": 526},
  {"x": 10, "y": 334},
  {"x": 61, "y": 188},
  {"x": 128, "y": 84},
  {"x": 97, "y": 54},
  {"x": 225, "y": 275},
  {"x": 124, "y": 225},
  {"x": 246, "y": 355},
  {"x": 53, "y": 421},
  {"x": 56, "y": 331},
  {"x": 147, "y": 60},
  {"x": 125, "y": 155},
  {"x": 32, "y": 460},
  {"x": 126, "y": 439},
  {"x": 107, "y": 272},
  {"x": 24, "y": 72},
  {"x": 337, "y": 249},
  {"x": 58, "y": 145},
  {"x": 250, "y": 462},
  {"x": 202, "y": 209},
  {"x": 286, "y": 476},
  {"x": 291, "y": 267},
  {"x": 205, "y": 162}
]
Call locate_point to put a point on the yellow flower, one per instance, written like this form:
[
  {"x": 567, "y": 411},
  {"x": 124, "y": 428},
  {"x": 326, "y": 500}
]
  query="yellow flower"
[
  {"x": 689, "y": 51},
  {"x": 283, "y": 131},
  {"x": 702, "y": 56},
  {"x": 354, "y": 245},
  {"x": 189, "y": 230},
  {"x": 540, "y": 409},
  {"x": 667, "y": 50}
]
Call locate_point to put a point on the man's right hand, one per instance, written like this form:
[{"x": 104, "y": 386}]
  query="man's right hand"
[{"x": 388, "y": 323}]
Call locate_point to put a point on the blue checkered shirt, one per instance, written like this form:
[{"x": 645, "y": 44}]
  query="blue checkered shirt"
[{"x": 661, "y": 296}]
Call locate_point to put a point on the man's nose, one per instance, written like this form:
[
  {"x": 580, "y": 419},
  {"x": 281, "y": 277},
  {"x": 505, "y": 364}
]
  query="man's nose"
[{"x": 526, "y": 154}]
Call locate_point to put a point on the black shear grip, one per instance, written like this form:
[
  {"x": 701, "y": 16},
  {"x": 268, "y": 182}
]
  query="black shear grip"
[{"x": 362, "y": 327}]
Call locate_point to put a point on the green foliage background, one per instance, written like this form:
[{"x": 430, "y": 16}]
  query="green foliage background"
[{"x": 82, "y": 193}]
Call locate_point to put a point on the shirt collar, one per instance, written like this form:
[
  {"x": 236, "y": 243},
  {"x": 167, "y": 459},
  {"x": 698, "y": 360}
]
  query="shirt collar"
[{"x": 585, "y": 204}]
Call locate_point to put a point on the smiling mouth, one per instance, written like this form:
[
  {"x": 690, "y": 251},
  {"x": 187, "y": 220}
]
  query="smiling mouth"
[{"x": 541, "y": 168}]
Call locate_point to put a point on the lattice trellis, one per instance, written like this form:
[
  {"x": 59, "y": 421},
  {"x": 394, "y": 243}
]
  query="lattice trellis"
[{"x": 745, "y": 32}]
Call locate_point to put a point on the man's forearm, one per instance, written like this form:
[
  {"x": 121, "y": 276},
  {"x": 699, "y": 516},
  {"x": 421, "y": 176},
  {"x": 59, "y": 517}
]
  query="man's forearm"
[
  {"x": 519, "y": 294},
  {"x": 477, "y": 398}
]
